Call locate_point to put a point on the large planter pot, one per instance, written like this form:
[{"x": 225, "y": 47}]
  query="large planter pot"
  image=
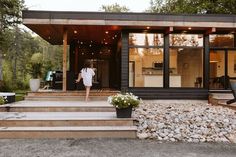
[
  {"x": 124, "y": 112},
  {"x": 34, "y": 85}
]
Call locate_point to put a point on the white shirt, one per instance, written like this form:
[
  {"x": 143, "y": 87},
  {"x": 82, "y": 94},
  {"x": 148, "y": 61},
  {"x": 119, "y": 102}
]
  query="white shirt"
[{"x": 87, "y": 75}]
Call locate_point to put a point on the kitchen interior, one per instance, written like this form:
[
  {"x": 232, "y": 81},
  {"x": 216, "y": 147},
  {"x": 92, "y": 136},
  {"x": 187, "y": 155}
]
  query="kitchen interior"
[{"x": 146, "y": 67}]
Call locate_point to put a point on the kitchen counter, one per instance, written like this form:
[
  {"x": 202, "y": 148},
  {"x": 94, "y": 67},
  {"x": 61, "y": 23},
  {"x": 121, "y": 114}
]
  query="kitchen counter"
[{"x": 156, "y": 80}]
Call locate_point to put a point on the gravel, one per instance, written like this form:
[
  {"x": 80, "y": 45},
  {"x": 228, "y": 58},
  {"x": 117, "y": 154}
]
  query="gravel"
[{"x": 191, "y": 121}]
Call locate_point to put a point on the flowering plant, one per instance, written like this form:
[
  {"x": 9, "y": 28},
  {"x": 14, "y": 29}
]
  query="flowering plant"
[
  {"x": 3, "y": 100},
  {"x": 124, "y": 100}
]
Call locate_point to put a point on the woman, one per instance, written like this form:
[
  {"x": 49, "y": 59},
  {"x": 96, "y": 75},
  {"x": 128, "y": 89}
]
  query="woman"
[{"x": 86, "y": 74}]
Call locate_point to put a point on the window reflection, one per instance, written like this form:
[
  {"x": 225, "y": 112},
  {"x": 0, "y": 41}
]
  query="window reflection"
[
  {"x": 226, "y": 40},
  {"x": 193, "y": 40},
  {"x": 186, "y": 67},
  {"x": 146, "y": 39}
]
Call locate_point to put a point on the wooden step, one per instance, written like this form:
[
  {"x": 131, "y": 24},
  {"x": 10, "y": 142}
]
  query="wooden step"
[
  {"x": 72, "y": 93},
  {"x": 32, "y": 119},
  {"x": 214, "y": 98},
  {"x": 65, "y": 98},
  {"x": 69, "y": 132},
  {"x": 56, "y": 109}
]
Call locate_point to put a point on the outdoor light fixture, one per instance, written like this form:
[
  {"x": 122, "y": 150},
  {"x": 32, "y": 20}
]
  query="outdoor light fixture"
[
  {"x": 148, "y": 27},
  {"x": 75, "y": 31},
  {"x": 106, "y": 32},
  {"x": 189, "y": 28}
]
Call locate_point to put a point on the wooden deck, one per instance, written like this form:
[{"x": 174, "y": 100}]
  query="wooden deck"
[
  {"x": 220, "y": 99},
  {"x": 56, "y": 95}
]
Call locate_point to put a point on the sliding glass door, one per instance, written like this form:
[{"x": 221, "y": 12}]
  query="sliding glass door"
[{"x": 222, "y": 68}]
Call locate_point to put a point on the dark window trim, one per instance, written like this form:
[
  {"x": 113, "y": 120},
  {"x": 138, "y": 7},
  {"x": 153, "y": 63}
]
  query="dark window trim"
[
  {"x": 140, "y": 46},
  {"x": 186, "y": 47}
]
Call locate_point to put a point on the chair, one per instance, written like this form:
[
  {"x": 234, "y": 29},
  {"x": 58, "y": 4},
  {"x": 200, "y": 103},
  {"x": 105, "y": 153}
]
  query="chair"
[
  {"x": 48, "y": 80},
  {"x": 233, "y": 88}
]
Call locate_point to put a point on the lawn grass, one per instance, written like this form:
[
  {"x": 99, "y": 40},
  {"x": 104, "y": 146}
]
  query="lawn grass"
[{"x": 20, "y": 94}]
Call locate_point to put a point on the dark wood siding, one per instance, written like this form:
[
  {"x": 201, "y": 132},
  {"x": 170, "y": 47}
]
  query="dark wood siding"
[
  {"x": 153, "y": 93},
  {"x": 166, "y": 61},
  {"x": 124, "y": 61},
  {"x": 206, "y": 58}
]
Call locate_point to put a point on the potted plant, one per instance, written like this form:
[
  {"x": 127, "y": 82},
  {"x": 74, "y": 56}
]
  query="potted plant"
[
  {"x": 36, "y": 71},
  {"x": 124, "y": 103}
]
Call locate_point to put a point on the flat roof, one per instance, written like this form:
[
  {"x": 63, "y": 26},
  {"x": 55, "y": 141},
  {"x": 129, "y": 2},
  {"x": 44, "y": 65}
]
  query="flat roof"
[{"x": 50, "y": 24}]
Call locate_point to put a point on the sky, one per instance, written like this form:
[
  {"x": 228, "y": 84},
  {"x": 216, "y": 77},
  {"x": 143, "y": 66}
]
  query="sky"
[{"x": 84, "y": 5}]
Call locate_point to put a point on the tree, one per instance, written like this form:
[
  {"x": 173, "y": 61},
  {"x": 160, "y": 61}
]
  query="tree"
[
  {"x": 10, "y": 14},
  {"x": 193, "y": 6},
  {"x": 114, "y": 8}
]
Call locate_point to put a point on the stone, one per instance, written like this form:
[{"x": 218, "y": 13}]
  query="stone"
[
  {"x": 142, "y": 136},
  {"x": 185, "y": 121}
]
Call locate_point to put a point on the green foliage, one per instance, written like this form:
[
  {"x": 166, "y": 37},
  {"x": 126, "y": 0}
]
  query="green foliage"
[
  {"x": 36, "y": 65},
  {"x": 193, "y": 6},
  {"x": 114, "y": 8},
  {"x": 2, "y": 100},
  {"x": 124, "y": 100},
  {"x": 10, "y": 12}
]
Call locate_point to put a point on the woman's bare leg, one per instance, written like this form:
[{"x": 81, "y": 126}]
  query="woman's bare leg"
[{"x": 87, "y": 92}]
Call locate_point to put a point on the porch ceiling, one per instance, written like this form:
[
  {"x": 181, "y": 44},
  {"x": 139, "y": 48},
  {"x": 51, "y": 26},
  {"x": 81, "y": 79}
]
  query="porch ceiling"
[{"x": 97, "y": 34}]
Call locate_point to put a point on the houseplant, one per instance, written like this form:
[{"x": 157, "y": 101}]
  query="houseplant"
[
  {"x": 124, "y": 103},
  {"x": 36, "y": 71}
]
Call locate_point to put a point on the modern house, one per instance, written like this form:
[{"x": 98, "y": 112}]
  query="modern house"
[{"x": 155, "y": 56}]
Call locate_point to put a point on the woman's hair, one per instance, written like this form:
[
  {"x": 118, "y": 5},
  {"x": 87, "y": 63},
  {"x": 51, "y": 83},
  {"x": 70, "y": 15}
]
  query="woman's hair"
[{"x": 87, "y": 64}]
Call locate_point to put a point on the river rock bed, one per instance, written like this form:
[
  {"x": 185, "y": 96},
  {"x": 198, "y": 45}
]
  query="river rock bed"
[{"x": 191, "y": 121}]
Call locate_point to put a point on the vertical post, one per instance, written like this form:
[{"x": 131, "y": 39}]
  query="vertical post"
[
  {"x": 206, "y": 61},
  {"x": 76, "y": 58},
  {"x": 234, "y": 40},
  {"x": 226, "y": 70},
  {"x": 64, "y": 59},
  {"x": 124, "y": 61},
  {"x": 166, "y": 61}
]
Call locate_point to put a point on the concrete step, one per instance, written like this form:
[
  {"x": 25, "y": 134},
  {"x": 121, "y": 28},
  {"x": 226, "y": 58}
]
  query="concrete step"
[
  {"x": 33, "y": 119},
  {"x": 64, "y": 98},
  {"x": 51, "y": 106},
  {"x": 69, "y": 132}
]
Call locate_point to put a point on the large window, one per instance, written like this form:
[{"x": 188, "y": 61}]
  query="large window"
[
  {"x": 145, "y": 60},
  {"x": 186, "y": 60}
]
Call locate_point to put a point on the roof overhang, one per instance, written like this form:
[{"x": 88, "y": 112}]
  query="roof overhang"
[{"x": 50, "y": 24}]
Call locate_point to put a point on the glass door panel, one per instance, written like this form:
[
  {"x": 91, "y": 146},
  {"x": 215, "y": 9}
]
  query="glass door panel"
[
  {"x": 231, "y": 65},
  {"x": 217, "y": 69}
]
